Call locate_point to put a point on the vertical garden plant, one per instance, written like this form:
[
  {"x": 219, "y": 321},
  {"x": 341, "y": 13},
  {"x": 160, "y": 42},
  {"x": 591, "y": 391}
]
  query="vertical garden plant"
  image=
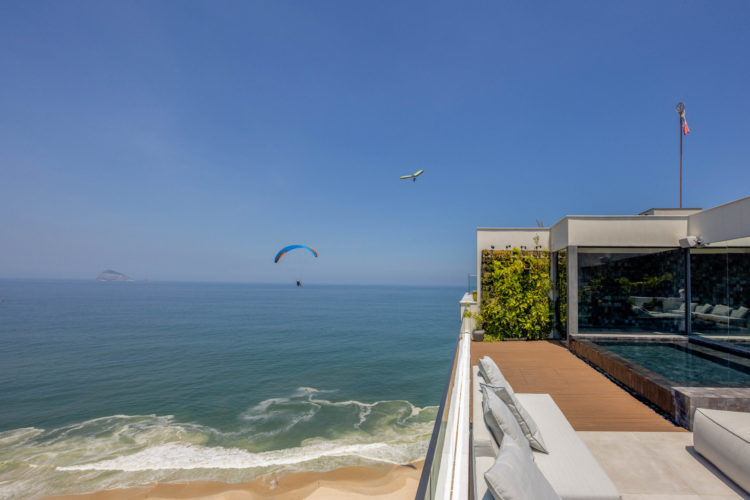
[{"x": 515, "y": 294}]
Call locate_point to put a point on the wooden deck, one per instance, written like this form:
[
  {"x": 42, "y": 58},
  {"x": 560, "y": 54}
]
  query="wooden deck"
[{"x": 589, "y": 400}]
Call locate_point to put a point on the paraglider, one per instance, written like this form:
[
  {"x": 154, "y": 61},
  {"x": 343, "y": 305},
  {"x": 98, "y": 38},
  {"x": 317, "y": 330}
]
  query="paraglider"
[
  {"x": 292, "y": 247},
  {"x": 286, "y": 249},
  {"x": 413, "y": 176}
]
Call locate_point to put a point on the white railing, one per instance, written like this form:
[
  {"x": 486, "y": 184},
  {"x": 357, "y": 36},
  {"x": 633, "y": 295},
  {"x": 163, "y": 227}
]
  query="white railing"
[
  {"x": 453, "y": 479},
  {"x": 446, "y": 470}
]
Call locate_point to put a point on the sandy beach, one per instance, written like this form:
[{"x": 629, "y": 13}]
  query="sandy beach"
[{"x": 383, "y": 482}]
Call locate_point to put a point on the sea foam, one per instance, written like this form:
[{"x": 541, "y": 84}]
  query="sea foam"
[
  {"x": 186, "y": 456},
  {"x": 299, "y": 432}
]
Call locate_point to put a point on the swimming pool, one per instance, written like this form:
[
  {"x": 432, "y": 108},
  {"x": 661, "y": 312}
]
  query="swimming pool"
[
  {"x": 686, "y": 363},
  {"x": 674, "y": 375}
]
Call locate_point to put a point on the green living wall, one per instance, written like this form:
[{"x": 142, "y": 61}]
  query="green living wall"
[{"x": 515, "y": 294}]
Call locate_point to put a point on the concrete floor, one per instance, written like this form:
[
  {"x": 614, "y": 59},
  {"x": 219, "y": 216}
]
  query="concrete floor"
[{"x": 658, "y": 466}]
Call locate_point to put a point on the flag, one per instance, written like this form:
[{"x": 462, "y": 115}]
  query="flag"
[{"x": 685, "y": 129}]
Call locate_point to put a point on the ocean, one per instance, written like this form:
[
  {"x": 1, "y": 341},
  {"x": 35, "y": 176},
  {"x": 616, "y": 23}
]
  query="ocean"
[{"x": 108, "y": 385}]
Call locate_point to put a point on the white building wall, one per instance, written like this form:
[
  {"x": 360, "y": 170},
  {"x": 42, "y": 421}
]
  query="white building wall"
[
  {"x": 626, "y": 231},
  {"x": 558, "y": 236},
  {"x": 725, "y": 222}
]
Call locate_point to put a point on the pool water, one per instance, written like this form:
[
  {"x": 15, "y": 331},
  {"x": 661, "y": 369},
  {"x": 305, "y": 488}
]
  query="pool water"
[{"x": 685, "y": 364}]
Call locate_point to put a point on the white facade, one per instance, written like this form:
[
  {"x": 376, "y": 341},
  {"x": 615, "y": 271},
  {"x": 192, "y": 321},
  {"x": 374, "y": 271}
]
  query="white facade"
[
  {"x": 725, "y": 222},
  {"x": 654, "y": 228}
]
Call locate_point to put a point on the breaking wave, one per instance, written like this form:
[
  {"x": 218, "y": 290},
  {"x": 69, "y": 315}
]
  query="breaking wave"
[{"x": 304, "y": 431}]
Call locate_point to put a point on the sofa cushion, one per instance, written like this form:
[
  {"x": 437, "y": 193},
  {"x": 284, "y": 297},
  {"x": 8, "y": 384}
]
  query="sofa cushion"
[
  {"x": 723, "y": 438},
  {"x": 569, "y": 467},
  {"x": 740, "y": 312},
  {"x": 681, "y": 309},
  {"x": 572, "y": 471},
  {"x": 490, "y": 371},
  {"x": 515, "y": 476},
  {"x": 482, "y": 464},
  {"x": 529, "y": 427},
  {"x": 481, "y": 435},
  {"x": 721, "y": 310},
  {"x": 501, "y": 421},
  {"x": 703, "y": 309},
  {"x": 671, "y": 303}
]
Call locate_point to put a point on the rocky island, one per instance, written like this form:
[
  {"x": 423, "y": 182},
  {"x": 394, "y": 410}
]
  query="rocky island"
[{"x": 110, "y": 275}]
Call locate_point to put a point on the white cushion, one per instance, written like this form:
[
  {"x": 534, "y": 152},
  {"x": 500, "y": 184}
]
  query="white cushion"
[
  {"x": 481, "y": 433},
  {"x": 570, "y": 467},
  {"x": 484, "y": 448},
  {"x": 501, "y": 421},
  {"x": 723, "y": 437},
  {"x": 721, "y": 310},
  {"x": 703, "y": 309},
  {"x": 491, "y": 373},
  {"x": 514, "y": 476},
  {"x": 740, "y": 312},
  {"x": 529, "y": 427},
  {"x": 482, "y": 464}
]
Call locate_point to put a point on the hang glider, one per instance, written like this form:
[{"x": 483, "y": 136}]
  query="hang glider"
[{"x": 413, "y": 176}]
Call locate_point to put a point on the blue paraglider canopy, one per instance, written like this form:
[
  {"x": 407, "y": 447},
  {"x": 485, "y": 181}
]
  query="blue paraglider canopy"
[{"x": 292, "y": 247}]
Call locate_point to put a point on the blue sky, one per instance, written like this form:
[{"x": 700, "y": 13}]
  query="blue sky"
[{"x": 192, "y": 140}]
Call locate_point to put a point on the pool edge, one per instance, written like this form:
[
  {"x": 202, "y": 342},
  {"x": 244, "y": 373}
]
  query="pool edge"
[
  {"x": 648, "y": 385},
  {"x": 677, "y": 401}
]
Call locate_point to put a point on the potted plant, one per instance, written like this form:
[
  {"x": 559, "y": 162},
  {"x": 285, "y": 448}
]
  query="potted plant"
[{"x": 477, "y": 334}]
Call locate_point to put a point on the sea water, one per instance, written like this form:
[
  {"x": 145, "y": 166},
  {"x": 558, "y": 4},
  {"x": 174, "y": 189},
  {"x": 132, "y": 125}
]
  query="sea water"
[{"x": 107, "y": 385}]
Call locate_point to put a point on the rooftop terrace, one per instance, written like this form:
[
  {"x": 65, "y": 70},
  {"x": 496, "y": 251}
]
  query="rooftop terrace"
[
  {"x": 645, "y": 455},
  {"x": 589, "y": 400}
]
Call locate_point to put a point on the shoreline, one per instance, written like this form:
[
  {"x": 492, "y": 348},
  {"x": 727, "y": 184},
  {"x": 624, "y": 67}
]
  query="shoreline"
[{"x": 377, "y": 481}]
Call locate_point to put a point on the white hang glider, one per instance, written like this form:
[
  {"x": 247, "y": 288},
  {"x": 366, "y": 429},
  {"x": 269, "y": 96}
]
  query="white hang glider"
[{"x": 413, "y": 176}]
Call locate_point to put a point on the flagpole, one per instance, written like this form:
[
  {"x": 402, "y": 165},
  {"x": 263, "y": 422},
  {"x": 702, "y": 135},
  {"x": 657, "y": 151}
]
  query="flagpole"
[
  {"x": 680, "y": 108},
  {"x": 679, "y": 116}
]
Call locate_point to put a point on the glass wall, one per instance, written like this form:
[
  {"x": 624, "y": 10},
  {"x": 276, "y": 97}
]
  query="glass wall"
[
  {"x": 720, "y": 289},
  {"x": 631, "y": 290}
]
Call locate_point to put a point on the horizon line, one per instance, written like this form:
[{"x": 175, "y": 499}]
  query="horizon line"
[{"x": 94, "y": 280}]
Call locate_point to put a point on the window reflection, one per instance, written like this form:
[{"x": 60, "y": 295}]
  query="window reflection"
[
  {"x": 631, "y": 290},
  {"x": 720, "y": 288}
]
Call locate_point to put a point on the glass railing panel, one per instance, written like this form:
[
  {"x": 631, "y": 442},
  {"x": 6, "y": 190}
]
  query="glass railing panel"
[{"x": 428, "y": 483}]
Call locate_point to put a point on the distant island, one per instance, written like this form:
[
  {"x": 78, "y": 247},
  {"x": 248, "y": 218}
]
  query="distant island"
[{"x": 110, "y": 275}]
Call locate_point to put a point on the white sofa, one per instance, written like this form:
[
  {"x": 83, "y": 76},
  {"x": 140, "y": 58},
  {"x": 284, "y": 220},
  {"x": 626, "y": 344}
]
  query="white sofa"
[
  {"x": 723, "y": 438},
  {"x": 569, "y": 467},
  {"x": 674, "y": 308}
]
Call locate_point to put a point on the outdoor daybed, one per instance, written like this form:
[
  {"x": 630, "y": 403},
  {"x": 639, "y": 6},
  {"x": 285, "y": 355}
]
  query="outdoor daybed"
[
  {"x": 723, "y": 315},
  {"x": 674, "y": 308},
  {"x": 569, "y": 467},
  {"x": 723, "y": 438}
]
